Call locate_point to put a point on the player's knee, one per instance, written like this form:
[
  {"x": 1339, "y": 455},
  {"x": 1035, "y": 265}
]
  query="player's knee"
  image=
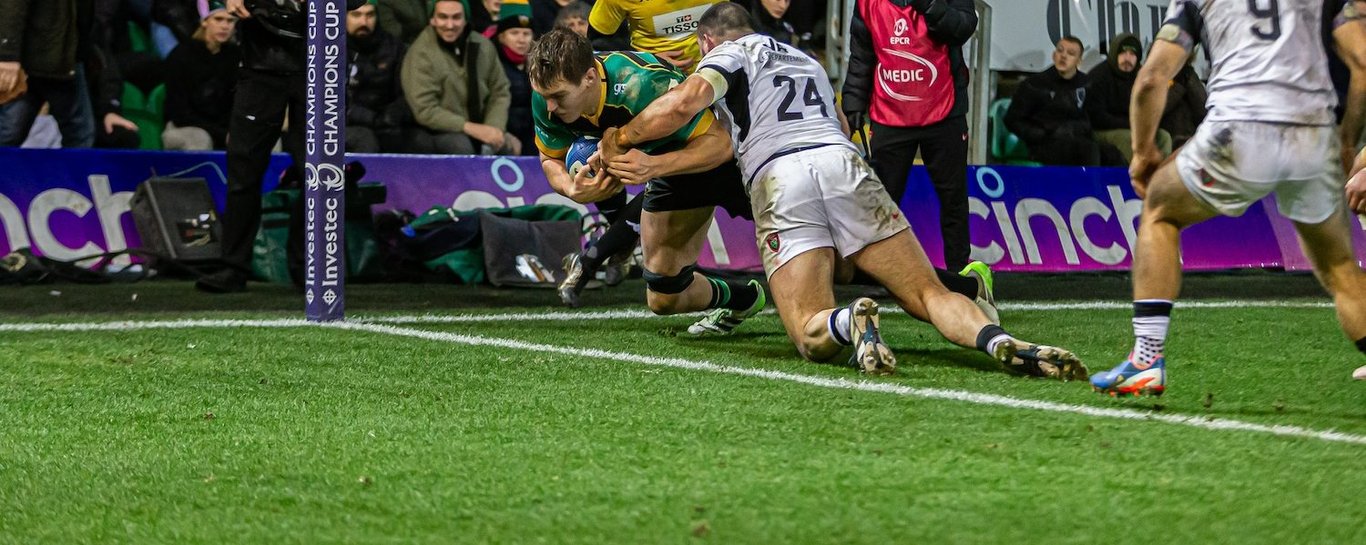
[
  {"x": 669, "y": 284},
  {"x": 663, "y": 291},
  {"x": 817, "y": 350},
  {"x": 663, "y": 304},
  {"x": 814, "y": 342},
  {"x": 1343, "y": 279}
]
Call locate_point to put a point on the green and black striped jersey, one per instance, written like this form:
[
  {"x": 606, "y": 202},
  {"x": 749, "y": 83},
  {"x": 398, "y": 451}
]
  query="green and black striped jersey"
[{"x": 630, "y": 82}]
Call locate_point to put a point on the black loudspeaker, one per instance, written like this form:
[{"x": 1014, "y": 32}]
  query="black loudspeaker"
[{"x": 175, "y": 217}]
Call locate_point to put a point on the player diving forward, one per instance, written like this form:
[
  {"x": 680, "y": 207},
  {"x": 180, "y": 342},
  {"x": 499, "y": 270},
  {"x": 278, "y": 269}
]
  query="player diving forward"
[
  {"x": 578, "y": 93},
  {"x": 813, "y": 196},
  {"x": 1269, "y": 130}
]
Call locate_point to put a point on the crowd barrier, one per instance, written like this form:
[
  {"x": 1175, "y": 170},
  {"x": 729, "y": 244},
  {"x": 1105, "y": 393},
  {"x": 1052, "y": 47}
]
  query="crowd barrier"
[{"x": 69, "y": 204}]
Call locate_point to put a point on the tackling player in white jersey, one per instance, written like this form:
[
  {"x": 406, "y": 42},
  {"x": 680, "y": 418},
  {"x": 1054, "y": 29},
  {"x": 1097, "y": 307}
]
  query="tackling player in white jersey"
[
  {"x": 1269, "y": 130},
  {"x": 813, "y": 196}
]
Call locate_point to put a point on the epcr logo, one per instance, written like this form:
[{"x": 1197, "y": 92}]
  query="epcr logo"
[
  {"x": 900, "y": 27},
  {"x": 329, "y": 176}
]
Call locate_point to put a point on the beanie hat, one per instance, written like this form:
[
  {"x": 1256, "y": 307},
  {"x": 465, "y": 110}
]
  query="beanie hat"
[
  {"x": 210, "y": 7},
  {"x": 514, "y": 14},
  {"x": 431, "y": 7}
]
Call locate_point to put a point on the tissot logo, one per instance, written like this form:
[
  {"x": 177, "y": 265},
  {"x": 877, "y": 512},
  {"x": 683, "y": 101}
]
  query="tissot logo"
[{"x": 678, "y": 24}]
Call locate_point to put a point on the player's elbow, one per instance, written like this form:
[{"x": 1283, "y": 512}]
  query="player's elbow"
[{"x": 1149, "y": 81}]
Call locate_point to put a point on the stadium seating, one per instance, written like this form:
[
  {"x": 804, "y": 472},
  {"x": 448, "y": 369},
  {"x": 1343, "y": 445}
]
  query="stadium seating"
[
  {"x": 1005, "y": 146},
  {"x": 147, "y": 112}
]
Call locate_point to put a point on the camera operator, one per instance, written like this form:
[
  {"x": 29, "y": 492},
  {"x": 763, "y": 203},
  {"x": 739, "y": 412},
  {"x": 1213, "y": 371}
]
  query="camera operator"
[{"x": 271, "y": 80}]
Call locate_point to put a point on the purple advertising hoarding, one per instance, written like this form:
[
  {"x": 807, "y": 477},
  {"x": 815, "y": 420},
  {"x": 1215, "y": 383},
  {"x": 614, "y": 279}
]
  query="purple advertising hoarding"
[
  {"x": 325, "y": 148},
  {"x": 1058, "y": 219},
  {"x": 70, "y": 204}
]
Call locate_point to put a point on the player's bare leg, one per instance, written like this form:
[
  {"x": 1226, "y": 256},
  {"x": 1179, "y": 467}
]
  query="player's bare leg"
[
  {"x": 899, "y": 263},
  {"x": 1168, "y": 208},
  {"x": 1328, "y": 246},
  {"x": 802, "y": 291},
  {"x": 670, "y": 242}
]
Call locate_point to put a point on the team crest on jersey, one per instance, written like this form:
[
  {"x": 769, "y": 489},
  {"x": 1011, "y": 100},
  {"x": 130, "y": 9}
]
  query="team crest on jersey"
[
  {"x": 772, "y": 243},
  {"x": 1205, "y": 179}
]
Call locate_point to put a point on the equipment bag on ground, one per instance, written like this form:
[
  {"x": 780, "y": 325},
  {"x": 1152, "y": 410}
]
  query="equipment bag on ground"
[{"x": 520, "y": 246}]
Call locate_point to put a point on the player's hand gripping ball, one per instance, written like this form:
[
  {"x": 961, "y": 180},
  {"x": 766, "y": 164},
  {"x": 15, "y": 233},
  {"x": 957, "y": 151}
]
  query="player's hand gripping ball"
[{"x": 579, "y": 152}]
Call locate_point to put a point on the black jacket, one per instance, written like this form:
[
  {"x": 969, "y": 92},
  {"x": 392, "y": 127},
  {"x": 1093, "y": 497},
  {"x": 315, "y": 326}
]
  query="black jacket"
[
  {"x": 520, "y": 122},
  {"x": 779, "y": 29},
  {"x": 1185, "y": 105},
  {"x": 543, "y": 14},
  {"x": 1047, "y": 105},
  {"x": 46, "y": 37},
  {"x": 199, "y": 87},
  {"x": 274, "y": 38},
  {"x": 374, "y": 96},
  {"x": 950, "y": 21},
  {"x": 181, "y": 16},
  {"x": 1107, "y": 96}
]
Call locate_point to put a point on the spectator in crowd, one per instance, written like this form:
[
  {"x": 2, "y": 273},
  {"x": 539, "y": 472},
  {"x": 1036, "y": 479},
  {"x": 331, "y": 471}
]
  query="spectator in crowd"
[
  {"x": 544, "y": 13},
  {"x": 201, "y": 75},
  {"x": 377, "y": 117},
  {"x": 484, "y": 17},
  {"x": 514, "y": 39},
  {"x": 456, "y": 87},
  {"x": 768, "y": 14},
  {"x": 271, "y": 81},
  {"x": 181, "y": 17},
  {"x": 403, "y": 19},
  {"x": 112, "y": 130},
  {"x": 1108, "y": 92},
  {"x": 44, "y": 134},
  {"x": 42, "y": 52},
  {"x": 1046, "y": 112},
  {"x": 1185, "y": 105},
  {"x": 912, "y": 111},
  {"x": 574, "y": 17},
  {"x": 137, "y": 54}
]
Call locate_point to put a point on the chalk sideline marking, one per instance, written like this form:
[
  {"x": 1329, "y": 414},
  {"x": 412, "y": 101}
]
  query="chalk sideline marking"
[
  {"x": 863, "y": 385},
  {"x": 823, "y": 382}
]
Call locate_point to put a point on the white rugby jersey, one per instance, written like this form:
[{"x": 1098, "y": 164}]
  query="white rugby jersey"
[
  {"x": 1267, "y": 58},
  {"x": 774, "y": 98}
]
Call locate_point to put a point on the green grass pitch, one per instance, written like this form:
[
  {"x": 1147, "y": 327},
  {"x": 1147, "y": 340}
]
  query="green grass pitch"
[{"x": 507, "y": 431}]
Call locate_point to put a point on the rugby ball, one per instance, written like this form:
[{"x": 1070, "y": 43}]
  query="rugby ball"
[{"x": 579, "y": 152}]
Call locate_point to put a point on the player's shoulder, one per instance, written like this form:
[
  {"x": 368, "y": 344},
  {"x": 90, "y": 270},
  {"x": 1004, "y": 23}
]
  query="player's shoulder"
[{"x": 615, "y": 61}]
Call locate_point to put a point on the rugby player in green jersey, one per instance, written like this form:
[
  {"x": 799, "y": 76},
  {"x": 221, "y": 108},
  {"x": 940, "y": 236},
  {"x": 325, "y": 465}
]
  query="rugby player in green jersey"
[{"x": 689, "y": 173}]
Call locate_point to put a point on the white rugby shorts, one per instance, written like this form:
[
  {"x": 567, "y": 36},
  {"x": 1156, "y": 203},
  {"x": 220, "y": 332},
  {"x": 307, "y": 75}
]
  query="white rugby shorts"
[
  {"x": 825, "y": 197},
  {"x": 1229, "y": 165}
]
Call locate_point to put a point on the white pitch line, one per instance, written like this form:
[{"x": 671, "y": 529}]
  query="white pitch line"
[
  {"x": 586, "y": 315},
  {"x": 156, "y": 324},
  {"x": 638, "y": 314},
  {"x": 864, "y": 385},
  {"x": 861, "y": 385}
]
